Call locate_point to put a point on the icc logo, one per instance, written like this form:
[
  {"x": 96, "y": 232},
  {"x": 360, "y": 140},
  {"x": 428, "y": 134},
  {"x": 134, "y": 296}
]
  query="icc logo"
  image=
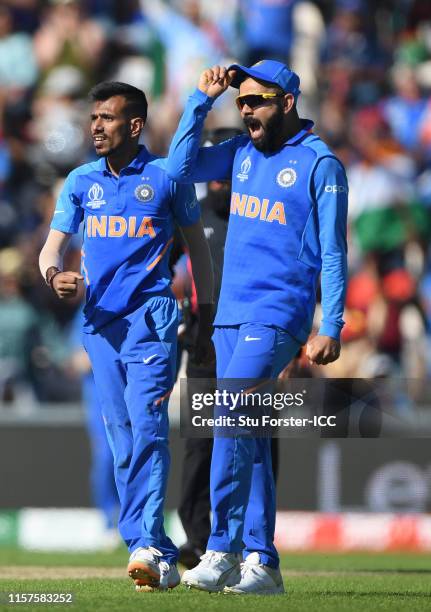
[
  {"x": 95, "y": 195},
  {"x": 245, "y": 169}
]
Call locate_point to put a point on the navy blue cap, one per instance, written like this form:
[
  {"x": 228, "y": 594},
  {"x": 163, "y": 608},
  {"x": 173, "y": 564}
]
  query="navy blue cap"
[{"x": 270, "y": 71}]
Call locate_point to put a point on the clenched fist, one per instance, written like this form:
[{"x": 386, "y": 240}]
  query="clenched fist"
[
  {"x": 65, "y": 284},
  {"x": 214, "y": 81},
  {"x": 322, "y": 350}
]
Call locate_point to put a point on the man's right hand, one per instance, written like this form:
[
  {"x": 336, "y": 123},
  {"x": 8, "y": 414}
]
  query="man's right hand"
[
  {"x": 65, "y": 284},
  {"x": 214, "y": 81}
]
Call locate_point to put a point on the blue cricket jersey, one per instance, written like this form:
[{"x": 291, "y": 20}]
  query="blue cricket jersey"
[
  {"x": 287, "y": 224},
  {"x": 128, "y": 230}
]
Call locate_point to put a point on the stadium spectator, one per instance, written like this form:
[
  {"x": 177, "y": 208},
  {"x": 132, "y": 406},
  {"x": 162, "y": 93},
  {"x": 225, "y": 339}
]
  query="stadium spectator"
[
  {"x": 18, "y": 68},
  {"x": 405, "y": 110},
  {"x": 267, "y": 29},
  {"x": 59, "y": 122},
  {"x": 188, "y": 45},
  {"x": 66, "y": 37},
  {"x": 30, "y": 344},
  {"x": 18, "y": 324}
]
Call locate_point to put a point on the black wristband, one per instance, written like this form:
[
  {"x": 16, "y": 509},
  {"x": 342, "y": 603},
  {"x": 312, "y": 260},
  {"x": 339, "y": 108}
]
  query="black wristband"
[{"x": 50, "y": 274}]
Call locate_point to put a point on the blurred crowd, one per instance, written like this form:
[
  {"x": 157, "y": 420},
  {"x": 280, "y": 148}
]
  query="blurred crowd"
[{"x": 365, "y": 70}]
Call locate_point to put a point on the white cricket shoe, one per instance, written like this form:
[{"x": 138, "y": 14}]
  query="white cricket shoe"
[
  {"x": 215, "y": 571},
  {"x": 149, "y": 573},
  {"x": 257, "y": 579}
]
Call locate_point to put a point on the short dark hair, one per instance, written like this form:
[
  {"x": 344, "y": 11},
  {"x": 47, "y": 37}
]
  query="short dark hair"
[{"x": 137, "y": 103}]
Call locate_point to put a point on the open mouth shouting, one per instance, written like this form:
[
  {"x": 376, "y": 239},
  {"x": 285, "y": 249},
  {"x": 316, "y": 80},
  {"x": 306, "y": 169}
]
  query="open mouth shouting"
[{"x": 255, "y": 127}]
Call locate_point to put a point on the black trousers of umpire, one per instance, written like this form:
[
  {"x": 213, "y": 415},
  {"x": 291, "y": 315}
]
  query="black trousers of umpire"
[{"x": 194, "y": 507}]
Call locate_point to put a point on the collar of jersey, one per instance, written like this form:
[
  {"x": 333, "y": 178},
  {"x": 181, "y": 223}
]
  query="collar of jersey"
[
  {"x": 136, "y": 164},
  {"x": 307, "y": 126}
]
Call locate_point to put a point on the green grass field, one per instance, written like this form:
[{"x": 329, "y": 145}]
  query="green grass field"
[{"x": 321, "y": 582}]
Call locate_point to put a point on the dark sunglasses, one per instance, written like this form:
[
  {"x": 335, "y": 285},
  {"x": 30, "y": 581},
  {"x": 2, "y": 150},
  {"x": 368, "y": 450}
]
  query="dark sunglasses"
[{"x": 254, "y": 100}]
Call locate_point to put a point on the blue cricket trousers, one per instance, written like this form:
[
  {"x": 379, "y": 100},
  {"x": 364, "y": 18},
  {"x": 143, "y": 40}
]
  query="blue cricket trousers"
[
  {"x": 134, "y": 360},
  {"x": 242, "y": 484},
  {"x": 103, "y": 488}
]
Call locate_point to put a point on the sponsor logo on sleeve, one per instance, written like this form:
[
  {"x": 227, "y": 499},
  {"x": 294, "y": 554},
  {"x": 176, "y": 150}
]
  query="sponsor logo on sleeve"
[{"x": 335, "y": 189}]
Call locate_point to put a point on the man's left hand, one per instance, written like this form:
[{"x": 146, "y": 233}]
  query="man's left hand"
[
  {"x": 322, "y": 350},
  {"x": 204, "y": 353}
]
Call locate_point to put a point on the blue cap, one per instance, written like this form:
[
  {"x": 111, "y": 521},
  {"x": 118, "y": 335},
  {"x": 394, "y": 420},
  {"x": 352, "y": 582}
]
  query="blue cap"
[{"x": 270, "y": 71}]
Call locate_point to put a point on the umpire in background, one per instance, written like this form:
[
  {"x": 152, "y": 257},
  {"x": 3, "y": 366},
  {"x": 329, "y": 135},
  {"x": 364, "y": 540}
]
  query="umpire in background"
[{"x": 194, "y": 507}]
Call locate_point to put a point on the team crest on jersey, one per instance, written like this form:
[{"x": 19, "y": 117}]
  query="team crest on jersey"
[
  {"x": 95, "y": 196},
  {"x": 245, "y": 169},
  {"x": 286, "y": 177},
  {"x": 144, "y": 193}
]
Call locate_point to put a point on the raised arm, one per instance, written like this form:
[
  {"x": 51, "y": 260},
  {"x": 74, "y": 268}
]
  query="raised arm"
[{"x": 187, "y": 162}]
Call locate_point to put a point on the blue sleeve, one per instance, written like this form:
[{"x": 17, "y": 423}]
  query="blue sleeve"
[
  {"x": 68, "y": 213},
  {"x": 185, "y": 205},
  {"x": 187, "y": 163},
  {"x": 331, "y": 195}
]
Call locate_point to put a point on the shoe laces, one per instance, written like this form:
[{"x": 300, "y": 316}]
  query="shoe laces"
[
  {"x": 154, "y": 551},
  {"x": 249, "y": 565},
  {"x": 212, "y": 556},
  {"x": 164, "y": 568},
  {"x": 246, "y": 568}
]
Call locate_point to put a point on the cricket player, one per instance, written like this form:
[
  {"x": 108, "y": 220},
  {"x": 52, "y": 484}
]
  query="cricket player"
[
  {"x": 287, "y": 227},
  {"x": 194, "y": 505},
  {"x": 129, "y": 206}
]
